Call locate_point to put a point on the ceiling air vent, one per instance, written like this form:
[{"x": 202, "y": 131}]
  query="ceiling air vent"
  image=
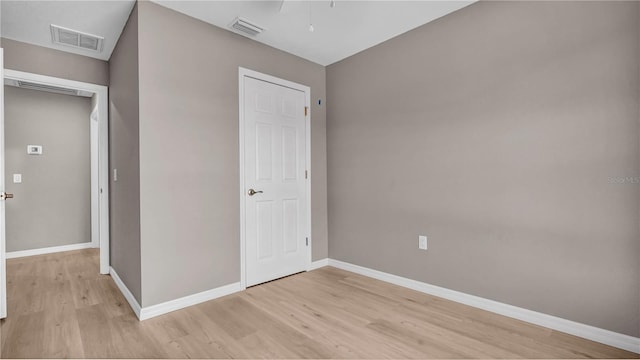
[
  {"x": 244, "y": 27},
  {"x": 77, "y": 39}
]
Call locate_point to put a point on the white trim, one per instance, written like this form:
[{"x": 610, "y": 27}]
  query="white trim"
[
  {"x": 243, "y": 72},
  {"x": 243, "y": 247},
  {"x": 101, "y": 209},
  {"x": 49, "y": 250},
  {"x": 309, "y": 172},
  {"x": 125, "y": 292},
  {"x": 589, "y": 332},
  {"x": 3, "y": 265},
  {"x": 103, "y": 173},
  {"x": 190, "y": 300},
  {"x": 95, "y": 161},
  {"x": 144, "y": 313},
  {"x": 318, "y": 264}
]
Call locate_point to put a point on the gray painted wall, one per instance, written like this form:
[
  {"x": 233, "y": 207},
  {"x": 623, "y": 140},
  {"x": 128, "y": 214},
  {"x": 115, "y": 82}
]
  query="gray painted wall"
[
  {"x": 124, "y": 156},
  {"x": 189, "y": 150},
  {"x": 496, "y": 131},
  {"x": 52, "y": 205},
  {"x": 44, "y": 61}
]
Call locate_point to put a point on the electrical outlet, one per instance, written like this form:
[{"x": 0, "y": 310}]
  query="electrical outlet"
[
  {"x": 34, "y": 149},
  {"x": 422, "y": 242}
]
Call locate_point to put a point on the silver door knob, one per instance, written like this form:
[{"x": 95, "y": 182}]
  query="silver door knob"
[
  {"x": 253, "y": 192},
  {"x": 5, "y": 196}
]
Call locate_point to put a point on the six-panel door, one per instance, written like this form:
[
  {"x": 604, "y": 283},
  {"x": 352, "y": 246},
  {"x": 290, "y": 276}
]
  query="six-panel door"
[{"x": 274, "y": 168}]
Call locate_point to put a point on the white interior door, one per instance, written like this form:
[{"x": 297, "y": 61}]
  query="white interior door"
[
  {"x": 274, "y": 167},
  {"x": 3, "y": 265}
]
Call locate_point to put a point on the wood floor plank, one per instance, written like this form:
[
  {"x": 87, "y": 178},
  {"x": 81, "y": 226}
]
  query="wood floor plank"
[
  {"x": 166, "y": 328},
  {"x": 135, "y": 342},
  {"x": 222, "y": 313},
  {"x": 97, "y": 338},
  {"x": 196, "y": 345},
  {"x": 210, "y": 331},
  {"x": 61, "y": 332},
  {"x": 111, "y": 298},
  {"x": 26, "y": 337},
  {"x": 61, "y": 307}
]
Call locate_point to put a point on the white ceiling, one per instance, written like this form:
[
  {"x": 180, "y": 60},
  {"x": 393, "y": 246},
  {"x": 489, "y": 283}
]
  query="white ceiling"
[
  {"x": 341, "y": 31},
  {"x": 29, "y": 21}
]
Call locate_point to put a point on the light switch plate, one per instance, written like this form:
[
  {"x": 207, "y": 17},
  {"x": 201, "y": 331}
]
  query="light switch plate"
[
  {"x": 17, "y": 178},
  {"x": 34, "y": 149},
  {"x": 422, "y": 242}
]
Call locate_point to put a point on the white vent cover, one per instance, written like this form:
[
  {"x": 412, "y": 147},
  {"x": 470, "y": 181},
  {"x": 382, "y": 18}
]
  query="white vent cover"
[
  {"x": 244, "y": 27},
  {"x": 68, "y": 37},
  {"x": 48, "y": 88}
]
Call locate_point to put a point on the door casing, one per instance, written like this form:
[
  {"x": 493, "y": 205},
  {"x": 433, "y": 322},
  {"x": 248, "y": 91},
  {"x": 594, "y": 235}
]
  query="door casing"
[
  {"x": 100, "y": 171},
  {"x": 242, "y": 73},
  {"x": 3, "y": 261}
]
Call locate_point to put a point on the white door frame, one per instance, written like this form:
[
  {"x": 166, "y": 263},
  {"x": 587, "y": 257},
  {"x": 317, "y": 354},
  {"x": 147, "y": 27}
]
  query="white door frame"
[
  {"x": 242, "y": 73},
  {"x": 99, "y": 158},
  {"x": 3, "y": 265}
]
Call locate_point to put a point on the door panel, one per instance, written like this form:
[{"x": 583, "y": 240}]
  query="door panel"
[
  {"x": 264, "y": 229},
  {"x": 289, "y": 154},
  {"x": 290, "y": 225},
  {"x": 275, "y": 219},
  {"x": 264, "y": 152}
]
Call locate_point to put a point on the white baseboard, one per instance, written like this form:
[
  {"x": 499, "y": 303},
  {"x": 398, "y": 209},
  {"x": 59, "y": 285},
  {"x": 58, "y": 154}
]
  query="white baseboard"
[
  {"x": 181, "y": 303},
  {"x": 49, "y": 250},
  {"x": 318, "y": 264},
  {"x": 144, "y": 313},
  {"x": 589, "y": 332},
  {"x": 125, "y": 291}
]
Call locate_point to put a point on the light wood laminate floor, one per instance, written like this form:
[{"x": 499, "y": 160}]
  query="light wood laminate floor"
[{"x": 59, "y": 306}]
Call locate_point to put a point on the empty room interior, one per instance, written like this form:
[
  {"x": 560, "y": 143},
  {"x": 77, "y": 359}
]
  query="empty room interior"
[{"x": 320, "y": 179}]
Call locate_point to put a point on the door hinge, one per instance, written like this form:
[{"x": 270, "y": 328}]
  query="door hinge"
[
  {"x": 305, "y": 110},
  {"x": 307, "y": 241},
  {"x": 306, "y": 174}
]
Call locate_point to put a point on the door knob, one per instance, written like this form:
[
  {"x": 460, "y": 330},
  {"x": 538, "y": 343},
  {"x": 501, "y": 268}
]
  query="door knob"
[
  {"x": 253, "y": 192},
  {"x": 5, "y": 196}
]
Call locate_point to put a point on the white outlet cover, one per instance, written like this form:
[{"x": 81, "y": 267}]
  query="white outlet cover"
[
  {"x": 34, "y": 149},
  {"x": 17, "y": 178},
  {"x": 422, "y": 242}
]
